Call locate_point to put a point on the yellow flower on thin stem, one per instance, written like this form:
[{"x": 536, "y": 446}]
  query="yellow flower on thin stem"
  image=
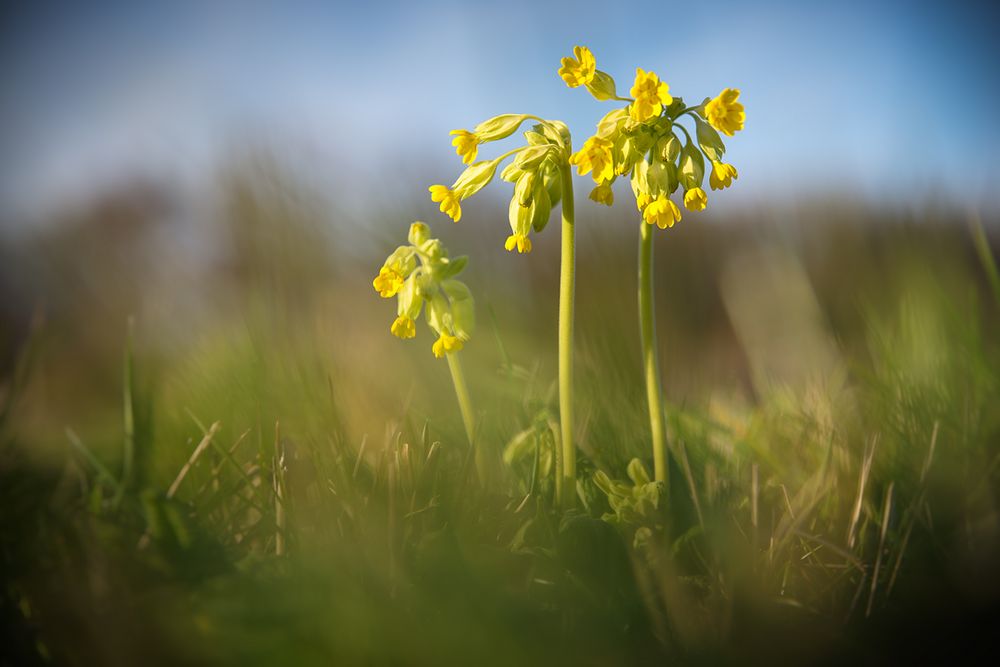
[
  {"x": 578, "y": 71},
  {"x": 446, "y": 343},
  {"x": 603, "y": 194},
  {"x": 388, "y": 282},
  {"x": 596, "y": 157},
  {"x": 722, "y": 175},
  {"x": 519, "y": 241},
  {"x": 650, "y": 94},
  {"x": 661, "y": 212},
  {"x": 466, "y": 145},
  {"x": 695, "y": 199},
  {"x": 724, "y": 113},
  {"x": 403, "y": 327},
  {"x": 449, "y": 199}
]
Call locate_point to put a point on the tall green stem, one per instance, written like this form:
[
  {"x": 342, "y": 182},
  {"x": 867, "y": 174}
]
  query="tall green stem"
[
  {"x": 465, "y": 407},
  {"x": 650, "y": 362},
  {"x": 567, "y": 279}
]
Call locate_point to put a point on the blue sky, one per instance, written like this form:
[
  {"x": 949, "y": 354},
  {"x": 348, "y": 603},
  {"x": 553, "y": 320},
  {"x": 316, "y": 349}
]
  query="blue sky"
[{"x": 892, "y": 101}]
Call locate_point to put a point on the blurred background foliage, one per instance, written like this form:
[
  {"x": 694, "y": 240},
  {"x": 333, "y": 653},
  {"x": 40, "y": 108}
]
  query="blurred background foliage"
[{"x": 833, "y": 394}]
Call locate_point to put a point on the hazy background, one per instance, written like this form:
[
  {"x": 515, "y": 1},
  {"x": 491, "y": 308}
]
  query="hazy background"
[{"x": 883, "y": 102}]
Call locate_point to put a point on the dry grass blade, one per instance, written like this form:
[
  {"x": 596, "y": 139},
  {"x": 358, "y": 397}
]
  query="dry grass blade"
[
  {"x": 886, "y": 513},
  {"x": 866, "y": 467},
  {"x": 195, "y": 455}
]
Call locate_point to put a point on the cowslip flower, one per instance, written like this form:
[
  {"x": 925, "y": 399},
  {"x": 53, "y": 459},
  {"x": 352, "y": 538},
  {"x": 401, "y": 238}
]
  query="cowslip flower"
[
  {"x": 661, "y": 212},
  {"x": 603, "y": 194},
  {"x": 519, "y": 241},
  {"x": 650, "y": 94},
  {"x": 595, "y": 157},
  {"x": 466, "y": 145},
  {"x": 642, "y": 201},
  {"x": 446, "y": 343},
  {"x": 695, "y": 199},
  {"x": 449, "y": 200},
  {"x": 724, "y": 113},
  {"x": 578, "y": 71},
  {"x": 722, "y": 175},
  {"x": 403, "y": 327},
  {"x": 388, "y": 282}
]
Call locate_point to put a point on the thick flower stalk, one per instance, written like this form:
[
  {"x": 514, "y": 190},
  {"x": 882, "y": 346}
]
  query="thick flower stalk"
[
  {"x": 646, "y": 142},
  {"x": 421, "y": 276},
  {"x": 540, "y": 172}
]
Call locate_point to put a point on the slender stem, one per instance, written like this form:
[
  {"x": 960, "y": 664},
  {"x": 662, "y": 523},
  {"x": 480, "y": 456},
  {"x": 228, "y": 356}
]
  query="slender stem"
[
  {"x": 462, "y": 392},
  {"x": 567, "y": 279},
  {"x": 465, "y": 406},
  {"x": 650, "y": 362}
]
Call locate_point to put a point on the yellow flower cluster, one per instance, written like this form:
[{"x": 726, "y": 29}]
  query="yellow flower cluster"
[
  {"x": 535, "y": 171},
  {"x": 421, "y": 275},
  {"x": 646, "y": 141}
]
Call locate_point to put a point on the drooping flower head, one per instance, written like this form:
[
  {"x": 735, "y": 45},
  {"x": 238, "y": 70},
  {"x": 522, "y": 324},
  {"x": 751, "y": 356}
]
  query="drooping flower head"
[
  {"x": 661, "y": 212},
  {"x": 724, "y": 113},
  {"x": 695, "y": 199},
  {"x": 449, "y": 200},
  {"x": 579, "y": 70},
  {"x": 403, "y": 327},
  {"x": 422, "y": 277},
  {"x": 603, "y": 194},
  {"x": 535, "y": 171},
  {"x": 519, "y": 241},
  {"x": 387, "y": 282},
  {"x": 466, "y": 145},
  {"x": 446, "y": 343},
  {"x": 722, "y": 175}
]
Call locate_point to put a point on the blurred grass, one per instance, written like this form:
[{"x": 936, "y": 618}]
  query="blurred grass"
[{"x": 833, "y": 391}]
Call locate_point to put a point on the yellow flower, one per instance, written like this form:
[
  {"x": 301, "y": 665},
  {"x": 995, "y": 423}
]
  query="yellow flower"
[
  {"x": 642, "y": 200},
  {"x": 466, "y": 144},
  {"x": 722, "y": 175},
  {"x": 724, "y": 113},
  {"x": 388, "y": 282},
  {"x": 578, "y": 71},
  {"x": 403, "y": 327},
  {"x": 695, "y": 199},
  {"x": 595, "y": 156},
  {"x": 446, "y": 343},
  {"x": 661, "y": 212},
  {"x": 650, "y": 94},
  {"x": 603, "y": 194},
  {"x": 519, "y": 241},
  {"x": 449, "y": 201}
]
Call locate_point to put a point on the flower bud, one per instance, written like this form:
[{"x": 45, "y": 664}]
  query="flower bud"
[
  {"x": 475, "y": 177},
  {"x": 709, "y": 140},
  {"x": 602, "y": 86},
  {"x": 419, "y": 232},
  {"x": 499, "y": 127},
  {"x": 691, "y": 169}
]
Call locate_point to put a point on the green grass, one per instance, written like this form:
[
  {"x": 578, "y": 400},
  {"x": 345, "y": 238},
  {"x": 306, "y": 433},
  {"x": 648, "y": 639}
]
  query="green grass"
[{"x": 285, "y": 483}]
